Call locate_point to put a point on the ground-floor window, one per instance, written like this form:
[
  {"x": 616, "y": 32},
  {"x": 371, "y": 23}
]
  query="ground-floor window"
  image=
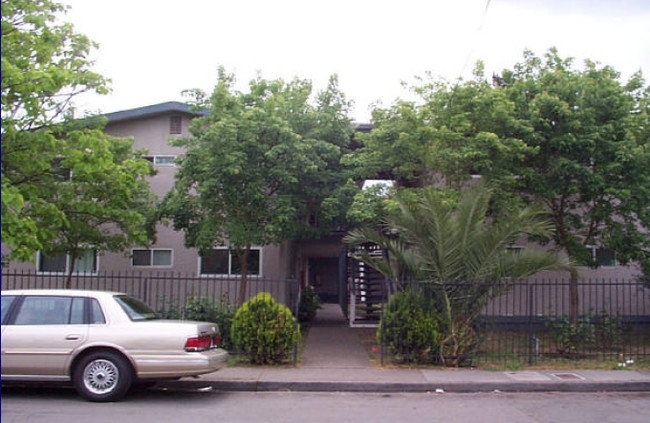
[
  {"x": 602, "y": 257},
  {"x": 155, "y": 257},
  {"x": 222, "y": 261},
  {"x": 86, "y": 263}
]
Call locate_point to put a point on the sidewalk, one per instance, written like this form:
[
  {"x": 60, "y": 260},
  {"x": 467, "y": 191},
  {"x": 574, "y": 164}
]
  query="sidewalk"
[{"x": 335, "y": 361}]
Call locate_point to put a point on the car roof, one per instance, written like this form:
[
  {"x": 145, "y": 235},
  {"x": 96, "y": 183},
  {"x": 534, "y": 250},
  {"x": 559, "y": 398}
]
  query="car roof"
[{"x": 61, "y": 292}]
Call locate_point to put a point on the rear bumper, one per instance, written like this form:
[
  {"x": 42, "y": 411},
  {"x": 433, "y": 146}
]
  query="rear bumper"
[{"x": 174, "y": 366}]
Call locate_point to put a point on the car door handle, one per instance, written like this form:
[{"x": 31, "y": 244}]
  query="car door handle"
[{"x": 73, "y": 337}]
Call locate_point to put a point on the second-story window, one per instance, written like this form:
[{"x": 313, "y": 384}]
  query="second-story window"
[
  {"x": 161, "y": 160},
  {"x": 175, "y": 127}
]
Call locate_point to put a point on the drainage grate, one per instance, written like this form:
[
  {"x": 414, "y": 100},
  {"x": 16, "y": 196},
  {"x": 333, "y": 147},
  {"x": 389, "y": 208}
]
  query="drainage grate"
[{"x": 568, "y": 376}]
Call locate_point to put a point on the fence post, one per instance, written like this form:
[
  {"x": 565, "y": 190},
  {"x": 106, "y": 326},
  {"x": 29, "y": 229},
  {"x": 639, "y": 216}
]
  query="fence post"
[{"x": 531, "y": 332}]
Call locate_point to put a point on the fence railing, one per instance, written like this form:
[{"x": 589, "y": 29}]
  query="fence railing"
[
  {"x": 528, "y": 320},
  {"x": 162, "y": 291}
]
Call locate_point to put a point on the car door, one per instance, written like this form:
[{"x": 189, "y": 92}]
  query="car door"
[{"x": 39, "y": 339}]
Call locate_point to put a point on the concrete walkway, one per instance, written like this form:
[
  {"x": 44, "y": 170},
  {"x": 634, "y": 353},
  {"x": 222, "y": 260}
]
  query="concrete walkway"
[
  {"x": 332, "y": 343},
  {"x": 335, "y": 361}
]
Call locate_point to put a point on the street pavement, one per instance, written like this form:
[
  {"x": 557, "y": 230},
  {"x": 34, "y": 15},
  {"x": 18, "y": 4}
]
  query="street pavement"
[{"x": 335, "y": 361}]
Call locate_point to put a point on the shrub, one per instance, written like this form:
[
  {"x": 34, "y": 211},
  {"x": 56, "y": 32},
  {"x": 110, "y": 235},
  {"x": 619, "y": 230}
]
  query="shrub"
[
  {"x": 264, "y": 330},
  {"x": 309, "y": 304},
  {"x": 410, "y": 328},
  {"x": 204, "y": 309},
  {"x": 609, "y": 331},
  {"x": 570, "y": 337}
]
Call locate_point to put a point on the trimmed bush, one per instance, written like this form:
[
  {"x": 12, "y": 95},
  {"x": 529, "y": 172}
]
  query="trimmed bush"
[
  {"x": 265, "y": 331},
  {"x": 410, "y": 328}
]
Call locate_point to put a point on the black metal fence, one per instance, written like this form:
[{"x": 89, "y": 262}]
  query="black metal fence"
[
  {"x": 162, "y": 291},
  {"x": 526, "y": 321}
]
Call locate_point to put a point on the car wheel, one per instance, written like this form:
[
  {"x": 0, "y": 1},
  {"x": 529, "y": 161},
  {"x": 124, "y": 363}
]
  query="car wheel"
[{"x": 102, "y": 376}]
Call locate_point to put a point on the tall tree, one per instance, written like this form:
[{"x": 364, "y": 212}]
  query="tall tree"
[
  {"x": 101, "y": 187},
  {"x": 575, "y": 140},
  {"x": 44, "y": 66},
  {"x": 454, "y": 131},
  {"x": 66, "y": 186},
  {"x": 592, "y": 163},
  {"x": 258, "y": 166}
]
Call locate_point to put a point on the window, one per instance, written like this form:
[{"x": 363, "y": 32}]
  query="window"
[
  {"x": 135, "y": 309},
  {"x": 60, "y": 172},
  {"x": 96, "y": 314},
  {"x": 222, "y": 261},
  {"x": 43, "y": 310},
  {"x": 175, "y": 127},
  {"x": 86, "y": 263},
  {"x": 602, "y": 257},
  {"x": 7, "y": 301},
  {"x": 151, "y": 257},
  {"x": 161, "y": 160}
]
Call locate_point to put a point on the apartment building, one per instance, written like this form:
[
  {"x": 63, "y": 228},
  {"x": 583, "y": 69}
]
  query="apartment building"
[{"x": 321, "y": 262}]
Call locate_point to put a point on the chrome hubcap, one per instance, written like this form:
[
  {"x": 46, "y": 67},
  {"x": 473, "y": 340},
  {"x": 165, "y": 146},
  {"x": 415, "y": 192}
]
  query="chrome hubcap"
[{"x": 101, "y": 376}]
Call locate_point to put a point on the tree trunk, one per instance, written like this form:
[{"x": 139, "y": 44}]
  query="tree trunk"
[
  {"x": 242, "y": 256},
  {"x": 72, "y": 257}
]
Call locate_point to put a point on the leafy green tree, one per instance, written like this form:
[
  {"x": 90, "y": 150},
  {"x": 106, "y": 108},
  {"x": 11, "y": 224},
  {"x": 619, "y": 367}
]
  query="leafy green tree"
[
  {"x": 459, "y": 252},
  {"x": 591, "y": 168},
  {"x": 454, "y": 132},
  {"x": 44, "y": 66},
  {"x": 576, "y": 141},
  {"x": 260, "y": 167},
  {"x": 101, "y": 188}
]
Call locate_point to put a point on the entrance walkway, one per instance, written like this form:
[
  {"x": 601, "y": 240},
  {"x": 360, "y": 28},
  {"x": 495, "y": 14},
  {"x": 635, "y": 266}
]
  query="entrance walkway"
[{"x": 332, "y": 343}]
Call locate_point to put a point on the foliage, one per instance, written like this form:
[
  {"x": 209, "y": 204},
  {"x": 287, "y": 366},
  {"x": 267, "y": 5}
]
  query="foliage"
[
  {"x": 571, "y": 337},
  {"x": 204, "y": 309},
  {"x": 260, "y": 166},
  {"x": 265, "y": 331},
  {"x": 592, "y": 163},
  {"x": 575, "y": 140},
  {"x": 459, "y": 252},
  {"x": 309, "y": 305},
  {"x": 410, "y": 328},
  {"x": 104, "y": 197},
  {"x": 64, "y": 182},
  {"x": 609, "y": 331}
]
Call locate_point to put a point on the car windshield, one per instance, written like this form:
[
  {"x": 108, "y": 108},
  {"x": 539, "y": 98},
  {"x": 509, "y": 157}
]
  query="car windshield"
[{"x": 135, "y": 309}]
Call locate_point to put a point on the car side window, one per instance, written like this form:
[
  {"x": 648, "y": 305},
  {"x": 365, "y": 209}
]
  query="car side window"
[
  {"x": 42, "y": 310},
  {"x": 77, "y": 311},
  {"x": 7, "y": 300},
  {"x": 96, "y": 314}
]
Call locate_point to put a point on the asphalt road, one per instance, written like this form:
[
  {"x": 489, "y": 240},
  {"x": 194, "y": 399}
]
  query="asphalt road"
[{"x": 36, "y": 405}]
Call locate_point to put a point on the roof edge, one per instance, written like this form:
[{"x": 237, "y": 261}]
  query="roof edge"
[{"x": 151, "y": 110}]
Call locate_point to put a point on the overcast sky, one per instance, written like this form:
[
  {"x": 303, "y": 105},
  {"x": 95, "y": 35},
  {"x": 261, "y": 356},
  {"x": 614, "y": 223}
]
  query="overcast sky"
[{"x": 154, "y": 49}]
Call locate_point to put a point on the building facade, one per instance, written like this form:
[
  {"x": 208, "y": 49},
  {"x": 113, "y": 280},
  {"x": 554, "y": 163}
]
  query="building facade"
[{"x": 320, "y": 263}]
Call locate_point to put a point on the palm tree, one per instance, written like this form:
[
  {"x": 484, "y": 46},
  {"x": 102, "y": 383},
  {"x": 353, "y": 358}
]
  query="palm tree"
[{"x": 459, "y": 254}]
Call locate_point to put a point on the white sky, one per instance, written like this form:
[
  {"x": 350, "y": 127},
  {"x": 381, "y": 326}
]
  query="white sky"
[{"x": 154, "y": 49}]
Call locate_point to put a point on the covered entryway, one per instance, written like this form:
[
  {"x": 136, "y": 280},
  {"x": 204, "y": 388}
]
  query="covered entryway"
[{"x": 324, "y": 277}]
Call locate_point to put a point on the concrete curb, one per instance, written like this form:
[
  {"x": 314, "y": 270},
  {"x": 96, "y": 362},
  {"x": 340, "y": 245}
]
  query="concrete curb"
[{"x": 374, "y": 387}]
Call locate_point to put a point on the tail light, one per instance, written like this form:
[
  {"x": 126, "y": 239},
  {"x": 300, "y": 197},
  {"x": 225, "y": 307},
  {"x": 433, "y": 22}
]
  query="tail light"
[{"x": 202, "y": 343}]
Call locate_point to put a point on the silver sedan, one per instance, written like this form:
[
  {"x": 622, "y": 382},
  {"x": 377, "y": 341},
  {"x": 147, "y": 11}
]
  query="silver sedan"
[{"x": 103, "y": 342}]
